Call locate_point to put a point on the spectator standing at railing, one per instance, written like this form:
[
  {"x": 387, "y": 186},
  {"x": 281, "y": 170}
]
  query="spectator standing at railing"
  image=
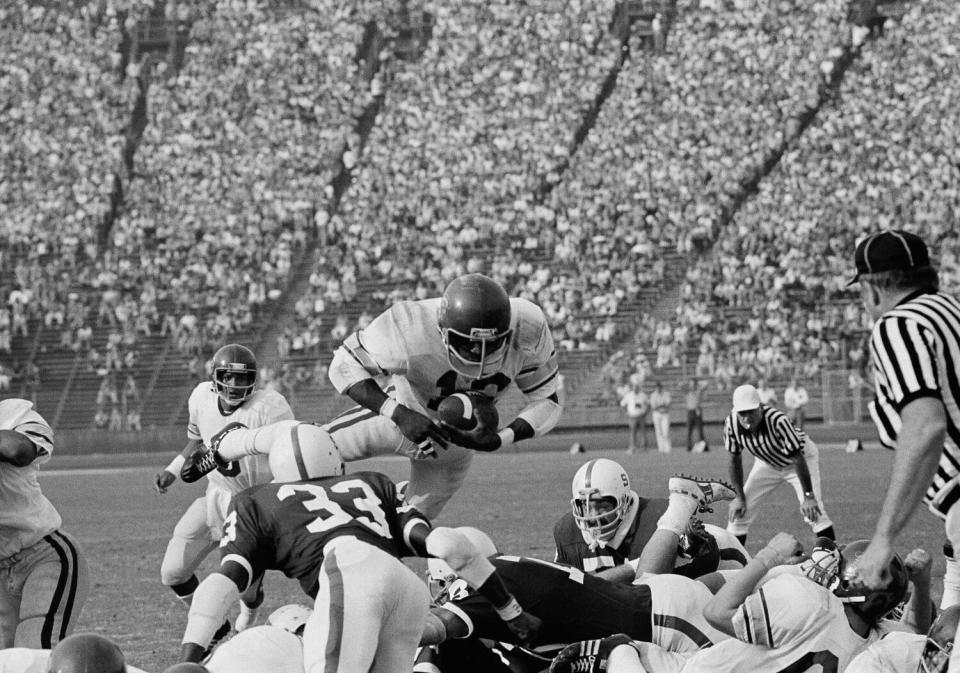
[
  {"x": 660, "y": 415},
  {"x": 637, "y": 406},
  {"x": 795, "y": 400}
]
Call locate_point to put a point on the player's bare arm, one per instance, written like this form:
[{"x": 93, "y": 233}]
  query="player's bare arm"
[
  {"x": 918, "y": 614},
  {"x": 809, "y": 507},
  {"x": 164, "y": 479},
  {"x": 782, "y": 549},
  {"x": 17, "y": 449},
  {"x": 919, "y": 445},
  {"x": 738, "y": 506},
  {"x": 412, "y": 424}
]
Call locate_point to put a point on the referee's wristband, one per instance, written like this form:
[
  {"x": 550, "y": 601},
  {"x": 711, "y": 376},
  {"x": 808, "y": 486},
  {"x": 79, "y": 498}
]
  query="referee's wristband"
[
  {"x": 175, "y": 464},
  {"x": 388, "y": 407}
]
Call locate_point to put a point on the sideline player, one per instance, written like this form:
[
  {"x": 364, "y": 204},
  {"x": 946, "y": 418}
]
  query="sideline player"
[
  {"x": 609, "y": 524},
  {"x": 342, "y": 537},
  {"x": 416, "y": 353},
  {"x": 231, "y": 398},
  {"x": 915, "y": 349},
  {"x": 789, "y": 624},
  {"x": 43, "y": 574},
  {"x": 782, "y": 454}
]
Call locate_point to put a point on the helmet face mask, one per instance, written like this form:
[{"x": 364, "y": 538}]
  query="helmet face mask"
[
  {"x": 823, "y": 566},
  {"x": 601, "y": 499},
  {"x": 234, "y": 374},
  {"x": 474, "y": 322},
  {"x": 939, "y": 645},
  {"x": 443, "y": 582}
]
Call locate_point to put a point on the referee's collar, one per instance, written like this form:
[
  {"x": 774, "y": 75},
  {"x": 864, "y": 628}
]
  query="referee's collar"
[{"x": 916, "y": 293}]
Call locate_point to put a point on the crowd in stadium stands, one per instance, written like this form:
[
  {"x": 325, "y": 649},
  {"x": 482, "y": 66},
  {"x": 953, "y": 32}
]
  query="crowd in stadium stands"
[{"x": 465, "y": 170}]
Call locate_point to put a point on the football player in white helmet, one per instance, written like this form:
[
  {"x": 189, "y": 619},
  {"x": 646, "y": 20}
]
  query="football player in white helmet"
[
  {"x": 609, "y": 524},
  {"x": 230, "y": 398},
  {"x": 275, "y": 647}
]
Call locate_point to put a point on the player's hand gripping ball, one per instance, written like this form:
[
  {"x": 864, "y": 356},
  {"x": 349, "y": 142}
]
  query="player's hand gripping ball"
[{"x": 469, "y": 411}]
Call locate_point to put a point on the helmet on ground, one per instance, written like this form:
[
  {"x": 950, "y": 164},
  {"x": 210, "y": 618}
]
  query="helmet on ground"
[
  {"x": 474, "y": 321},
  {"x": 86, "y": 653},
  {"x": 443, "y": 582},
  {"x": 292, "y": 617},
  {"x": 234, "y": 373},
  {"x": 873, "y": 604},
  {"x": 939, "y": 645},
  {"x": 306, "y": 451},
  {"x": 601, "y": 498}
]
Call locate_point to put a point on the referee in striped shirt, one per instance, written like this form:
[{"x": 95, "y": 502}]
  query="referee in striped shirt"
[
  {"x": 782, "y": 454},
  {"x": 915, "y": 348}
]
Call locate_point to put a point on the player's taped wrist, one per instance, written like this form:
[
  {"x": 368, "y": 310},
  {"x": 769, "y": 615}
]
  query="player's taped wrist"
[
  {"x": 388, "y": 408},
  {"x": 494, "y": 590},
  {"x": 175, "y": 465},
  {"x": 506, "y": 436}
]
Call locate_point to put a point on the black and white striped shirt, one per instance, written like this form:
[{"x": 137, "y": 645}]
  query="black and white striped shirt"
[
  {"x": 775, "y": 440},
  {"x": 916, "y": 353}
]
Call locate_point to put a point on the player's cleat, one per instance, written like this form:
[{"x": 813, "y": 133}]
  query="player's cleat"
[
  {"x": 218, "y": 637},
  {"x": 200, "y": 463},
  {"x": 705, "y": 491},
  {"x": 223, "y": 432},
  {"x": 588, "y": 656}
]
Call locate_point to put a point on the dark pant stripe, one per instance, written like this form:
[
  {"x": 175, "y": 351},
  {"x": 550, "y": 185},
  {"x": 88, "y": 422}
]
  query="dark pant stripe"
[
  {"x": 684, "y": 627},
  {"x": 74, "y": 583},
  {"x": 46, "y": 634},
  {"x": 335, "y": 607}
]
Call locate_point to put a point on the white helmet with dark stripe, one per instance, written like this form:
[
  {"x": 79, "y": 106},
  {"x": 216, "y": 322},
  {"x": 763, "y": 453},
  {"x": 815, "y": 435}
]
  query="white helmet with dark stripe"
[
  {"x": 601, "y": 499},
  {"x": 306, "y": 451}
]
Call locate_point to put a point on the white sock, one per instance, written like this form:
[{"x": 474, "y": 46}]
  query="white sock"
[
  {"x": 951, "y": 584},
  {"x": 679, "y": 510}
]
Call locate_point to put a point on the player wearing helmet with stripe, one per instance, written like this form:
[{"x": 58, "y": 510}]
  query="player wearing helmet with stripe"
[
  {"x": 609, "y": 524},
  {"x": 342, "y": 537},
  {"x": 779, "y": 623},
  {"x": 416, "y": 353},
  {"x": 230, "y": 398}
]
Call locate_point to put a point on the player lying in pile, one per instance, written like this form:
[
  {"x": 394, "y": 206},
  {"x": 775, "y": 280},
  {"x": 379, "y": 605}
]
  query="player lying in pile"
[{"x": 782, "y": 613}]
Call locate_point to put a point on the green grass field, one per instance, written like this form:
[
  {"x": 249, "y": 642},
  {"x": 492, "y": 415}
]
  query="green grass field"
[{"x": 124, "y": 525}]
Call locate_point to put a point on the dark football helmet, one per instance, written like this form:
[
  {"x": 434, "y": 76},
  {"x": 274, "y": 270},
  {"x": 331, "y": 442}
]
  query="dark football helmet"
[
  {"x": 939, "y": 645},
  {"x": 872, "y": 604},
  {"x": 474, "y": 321},
  {"x": 86, "y": 653},
  {"x": 234, "y": 373}
]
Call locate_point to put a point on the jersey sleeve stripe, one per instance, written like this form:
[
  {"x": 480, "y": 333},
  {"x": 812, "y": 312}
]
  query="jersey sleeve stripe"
[
  {"x": 745, "y": 618},
  {"x": 450, "y": 606},
  {"x": 766, "y": 619},
  {"x": 544, "y": 382},
  {"x": 243, "y": 563}
]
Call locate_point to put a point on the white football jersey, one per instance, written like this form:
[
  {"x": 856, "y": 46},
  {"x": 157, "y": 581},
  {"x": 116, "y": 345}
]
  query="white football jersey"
[
  {"x": 789, "y": 624},
  {"x": 403, "y": 350},
  {"x": 261, "y": 649},
  {"x": 207, "y": 419},
  {"x": 894, "y": 653},
  {"x": 25, "y": 660},
  {"x": 26, "y": 515},
  {"x": 677, "y": 604}
]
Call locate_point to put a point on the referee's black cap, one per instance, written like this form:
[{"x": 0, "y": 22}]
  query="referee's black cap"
[{"x": 889, "y": 250}]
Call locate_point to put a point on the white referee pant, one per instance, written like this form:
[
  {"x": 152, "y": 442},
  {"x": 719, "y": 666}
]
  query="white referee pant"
[{"x": 764, "y": 478}]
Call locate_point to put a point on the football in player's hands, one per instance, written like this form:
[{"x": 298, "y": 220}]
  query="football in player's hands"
[{"x": 469, "y": 411}]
